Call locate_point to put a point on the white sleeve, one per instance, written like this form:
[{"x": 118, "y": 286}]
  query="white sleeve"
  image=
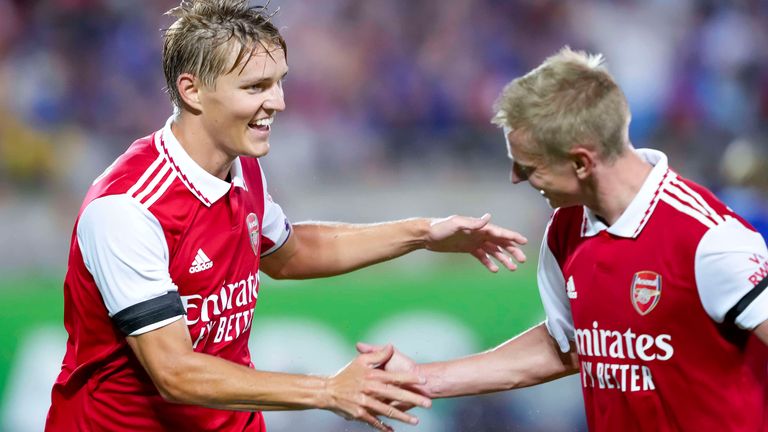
[
  {"x": 553, "y": 296},
  {"x": 275, "y": 228},
  {"x": 731, "y": 268},
  {"x": 124, "y": 249}
]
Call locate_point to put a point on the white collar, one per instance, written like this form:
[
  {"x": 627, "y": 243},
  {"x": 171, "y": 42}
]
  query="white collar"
[
  {"x": 636, "y": 215},
  {"x": 206, "y": 187}
]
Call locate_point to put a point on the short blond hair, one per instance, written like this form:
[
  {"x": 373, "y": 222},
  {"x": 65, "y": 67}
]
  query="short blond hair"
[
  {"x": 206, "y": 32},
  {"x": 569, "y": 99}
]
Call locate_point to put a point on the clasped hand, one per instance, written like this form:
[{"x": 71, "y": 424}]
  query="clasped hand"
[{"x": 361, "y": 391}]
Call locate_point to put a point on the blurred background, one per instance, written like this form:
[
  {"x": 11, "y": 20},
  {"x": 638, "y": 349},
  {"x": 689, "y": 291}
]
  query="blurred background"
[{"x": 388, "y": 117}]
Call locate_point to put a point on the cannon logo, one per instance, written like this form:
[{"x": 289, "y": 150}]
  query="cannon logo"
[
  {"x": 646, "y": 291},
  {"x": 252, "y": 221}
]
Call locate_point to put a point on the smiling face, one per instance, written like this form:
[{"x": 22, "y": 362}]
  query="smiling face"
[
  {"x": 555, "y": 179},
  {"x": 238, "y": 110}
]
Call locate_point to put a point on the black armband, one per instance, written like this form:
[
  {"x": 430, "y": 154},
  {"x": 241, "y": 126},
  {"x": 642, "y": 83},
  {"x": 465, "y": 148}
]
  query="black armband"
[
  {"x": 149, "y": 312},
  {"x": 745, "y": 301}
]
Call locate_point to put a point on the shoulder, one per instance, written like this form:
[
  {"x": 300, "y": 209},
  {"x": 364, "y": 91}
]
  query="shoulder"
[
  {"x": 565, "y": 230},
  {"x": 144, "y": 174},
  {"x": 692, "y": 210},
  {"x": 140, "y": 160}
]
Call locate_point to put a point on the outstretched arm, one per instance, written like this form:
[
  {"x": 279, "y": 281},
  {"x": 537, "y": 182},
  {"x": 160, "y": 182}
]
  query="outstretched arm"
[
  {"x": 184, "y": 376},
  {"x": 530, "y": 358},
  {"x": 318, "y": 249}
]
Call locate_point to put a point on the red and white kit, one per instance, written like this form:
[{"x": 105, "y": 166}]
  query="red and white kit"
[
  {"x": 660, "y": 305},
  {"x": 159, "y": 239}
]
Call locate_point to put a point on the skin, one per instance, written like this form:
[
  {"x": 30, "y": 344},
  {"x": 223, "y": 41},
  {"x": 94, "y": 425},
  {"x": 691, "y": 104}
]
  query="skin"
[{"x": 215, "y": 126}]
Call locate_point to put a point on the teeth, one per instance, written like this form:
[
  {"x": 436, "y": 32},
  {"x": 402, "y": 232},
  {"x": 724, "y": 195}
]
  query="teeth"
[{"x": 265, "y": 121}]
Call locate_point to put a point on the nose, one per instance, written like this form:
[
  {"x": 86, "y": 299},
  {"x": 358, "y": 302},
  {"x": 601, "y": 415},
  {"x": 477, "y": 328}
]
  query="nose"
[
  {"x": 276, "y": 99},
  {"x": 514, "y": 177}
]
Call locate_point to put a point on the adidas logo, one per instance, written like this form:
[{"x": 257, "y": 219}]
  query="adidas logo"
[{"x": 201, "y": 262}]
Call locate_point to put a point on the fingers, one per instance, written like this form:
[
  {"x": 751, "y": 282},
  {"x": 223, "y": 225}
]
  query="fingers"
[
  {"x": 377, "y": 358},
  {"x": 390, "y": 392},
  {"x": 397, "y": 378},
  {"x": 376, "y": 407},
  {"x": 516, "y": 253},
  {"x": 500, "y": 234},
  {"x": 375, "y": 422},
  {"x": 483, "y": 258},
  {"x": 365, "y": 348},
  {"x": 503, "y": 258}
]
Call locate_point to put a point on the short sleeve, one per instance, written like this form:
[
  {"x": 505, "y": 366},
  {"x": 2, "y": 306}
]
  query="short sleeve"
[
  {"x": 732, "y": 273},
  {"x": 275, "y": 225},
  {"x": 124, "y": 249},
  {"x": 553, "y": 296}
]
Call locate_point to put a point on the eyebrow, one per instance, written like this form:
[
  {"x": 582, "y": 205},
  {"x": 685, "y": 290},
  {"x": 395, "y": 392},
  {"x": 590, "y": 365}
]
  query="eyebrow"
[{"x": 261, "y": 79}]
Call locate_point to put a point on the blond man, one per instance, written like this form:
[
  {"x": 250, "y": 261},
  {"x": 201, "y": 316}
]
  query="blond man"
[
  {"x": 653, "y": 288},
  {"x": 164, "y": 264}
]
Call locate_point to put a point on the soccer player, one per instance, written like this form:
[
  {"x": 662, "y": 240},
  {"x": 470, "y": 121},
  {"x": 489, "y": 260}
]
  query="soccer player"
[
  {"x": 652, "y": 287},
  {"x": 165, "y": 256}
]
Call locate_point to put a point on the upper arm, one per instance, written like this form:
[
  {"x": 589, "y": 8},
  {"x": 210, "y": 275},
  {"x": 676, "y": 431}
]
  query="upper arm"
[
  {"x": 275, "y": 227},
  {"x": 553, "y": 297},
  {"x": 124, "y": 249},
  {"x": 731, "y": 269},
  {"x": 273, "y": 263},
  {"x": 162, "y": 353},
  {"x": 761, "y": 331}
]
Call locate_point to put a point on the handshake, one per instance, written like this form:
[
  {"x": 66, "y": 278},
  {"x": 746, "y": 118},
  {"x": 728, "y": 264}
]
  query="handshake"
[{"x": 379, "y": 382}]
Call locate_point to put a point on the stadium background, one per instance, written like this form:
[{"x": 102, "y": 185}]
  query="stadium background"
[{"x": 388, "y": 108}]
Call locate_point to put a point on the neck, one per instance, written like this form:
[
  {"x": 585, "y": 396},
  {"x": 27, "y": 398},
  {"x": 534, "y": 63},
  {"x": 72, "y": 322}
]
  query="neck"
[
  {"x": 616, "y": 185},
  {"x": 189, "y": 131}
]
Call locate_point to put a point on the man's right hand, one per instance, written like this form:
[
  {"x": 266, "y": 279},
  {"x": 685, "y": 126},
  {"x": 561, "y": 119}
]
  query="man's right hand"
[
  {"x": 399, "y": 362},
  {"x": 359, "y": 390}
]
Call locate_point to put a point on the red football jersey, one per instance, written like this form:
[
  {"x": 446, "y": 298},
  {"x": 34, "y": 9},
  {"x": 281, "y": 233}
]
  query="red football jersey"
[
  {"x": 659, "y": 306},
  {"x": 159, "y": 239}
]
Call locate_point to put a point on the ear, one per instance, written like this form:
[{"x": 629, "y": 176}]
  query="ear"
[
  {"x": 583, "y": 161},
  {"x": 189, "y": 90}
]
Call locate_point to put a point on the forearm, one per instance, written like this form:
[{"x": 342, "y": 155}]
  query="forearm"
[
  {"x": 528, "y": 359},
  {"x": 202, "y": 379},
  {"x": 328, "y": 249}
]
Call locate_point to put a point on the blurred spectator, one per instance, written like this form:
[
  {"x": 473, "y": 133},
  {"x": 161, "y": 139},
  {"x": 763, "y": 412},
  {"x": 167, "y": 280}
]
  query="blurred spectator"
[{"x": 744, "y": 167}]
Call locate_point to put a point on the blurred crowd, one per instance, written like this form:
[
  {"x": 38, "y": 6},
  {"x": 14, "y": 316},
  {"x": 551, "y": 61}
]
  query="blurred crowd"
[{"x": 380, "y": 87}]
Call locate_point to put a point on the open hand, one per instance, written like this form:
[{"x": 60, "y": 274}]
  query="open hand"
[
  {"x": 479, "y": 238},
  {"x": 358, "y": 390}
]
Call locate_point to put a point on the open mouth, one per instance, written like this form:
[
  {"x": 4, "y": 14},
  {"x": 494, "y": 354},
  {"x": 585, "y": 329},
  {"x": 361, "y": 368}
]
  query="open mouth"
[{"x": 262, "y": 125}]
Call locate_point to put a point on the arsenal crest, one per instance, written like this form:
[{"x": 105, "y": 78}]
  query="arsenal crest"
[
  {"x": 252, "y": 221},
  {"x": 646, "y": 291}
]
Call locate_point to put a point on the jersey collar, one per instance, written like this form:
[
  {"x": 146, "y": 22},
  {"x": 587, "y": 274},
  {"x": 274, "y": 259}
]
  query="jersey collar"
[
  {"x": 636, "y": 215},
  {"x": 205, "y": 186}
]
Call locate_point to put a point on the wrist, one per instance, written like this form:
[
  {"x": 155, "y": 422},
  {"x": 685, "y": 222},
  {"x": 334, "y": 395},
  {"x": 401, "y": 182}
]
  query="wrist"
[
  {"x": 431, "y": 387},
  {"x": 420, "y": 230},
  {"x": 324, "y": 397}
]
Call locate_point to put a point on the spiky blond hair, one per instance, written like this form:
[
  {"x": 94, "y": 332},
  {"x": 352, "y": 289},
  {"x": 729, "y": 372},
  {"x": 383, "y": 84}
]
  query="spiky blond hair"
[{"x": 569, "y": 99}]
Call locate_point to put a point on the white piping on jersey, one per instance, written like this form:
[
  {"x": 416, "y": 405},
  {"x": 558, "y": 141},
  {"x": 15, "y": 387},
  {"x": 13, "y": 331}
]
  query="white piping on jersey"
[
  {"x": 163, "y": 150},
  {"x": 141, "y": 189},
  {"x": 686, "y": 200},
  {"x": 151, "y": 186},
  {"x": 161, "y": 190},
  {"x": 700, "y": 200},
  {"x": 146, "y": 175},
  {"x": 676, "y": 204},
  {"x": 665, "y": 180}
]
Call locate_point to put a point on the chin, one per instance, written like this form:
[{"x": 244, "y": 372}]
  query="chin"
[{"x": 257, "y": 150}]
